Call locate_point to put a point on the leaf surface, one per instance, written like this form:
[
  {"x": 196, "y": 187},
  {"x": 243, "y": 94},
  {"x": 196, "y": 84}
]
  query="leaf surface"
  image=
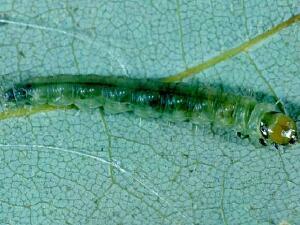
[{"x": 86, "y": 167}]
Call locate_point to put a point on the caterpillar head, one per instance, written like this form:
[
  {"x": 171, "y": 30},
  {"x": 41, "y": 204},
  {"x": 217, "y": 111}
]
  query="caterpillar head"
[{"x": 278, "y": 129}]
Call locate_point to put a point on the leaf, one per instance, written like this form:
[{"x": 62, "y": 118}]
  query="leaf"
[{"x": 86, "y": 167}]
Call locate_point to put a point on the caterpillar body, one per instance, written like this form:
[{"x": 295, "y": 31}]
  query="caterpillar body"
[{"x": 261, "y": 121}]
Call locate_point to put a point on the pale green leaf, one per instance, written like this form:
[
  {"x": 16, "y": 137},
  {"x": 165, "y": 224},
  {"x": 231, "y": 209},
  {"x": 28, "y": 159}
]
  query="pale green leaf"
[{"x": 86, "y": 167}]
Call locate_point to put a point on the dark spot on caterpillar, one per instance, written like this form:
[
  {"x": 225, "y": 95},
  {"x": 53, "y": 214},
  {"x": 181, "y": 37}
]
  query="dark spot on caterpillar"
[
  {"x": 293, "y": 141},
  {"x": 262, "y": 141},
  {"x": 264, "y": 130}
]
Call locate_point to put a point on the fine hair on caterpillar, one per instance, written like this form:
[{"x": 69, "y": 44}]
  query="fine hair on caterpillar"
[{"x": 257, "y": 118}]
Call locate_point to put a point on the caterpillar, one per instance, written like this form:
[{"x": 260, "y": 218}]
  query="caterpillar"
[{"x": 250, "y": 117}]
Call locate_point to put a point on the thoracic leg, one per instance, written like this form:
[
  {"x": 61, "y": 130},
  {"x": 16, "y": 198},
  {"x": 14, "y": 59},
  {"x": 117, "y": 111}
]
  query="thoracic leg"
[{"x": 242, "y": 136}]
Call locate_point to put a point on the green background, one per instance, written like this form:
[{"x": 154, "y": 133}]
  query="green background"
[{"x": 84, "y": 167}]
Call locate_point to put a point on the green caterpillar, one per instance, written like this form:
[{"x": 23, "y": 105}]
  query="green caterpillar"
[{"x": 260, "y": 121}]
